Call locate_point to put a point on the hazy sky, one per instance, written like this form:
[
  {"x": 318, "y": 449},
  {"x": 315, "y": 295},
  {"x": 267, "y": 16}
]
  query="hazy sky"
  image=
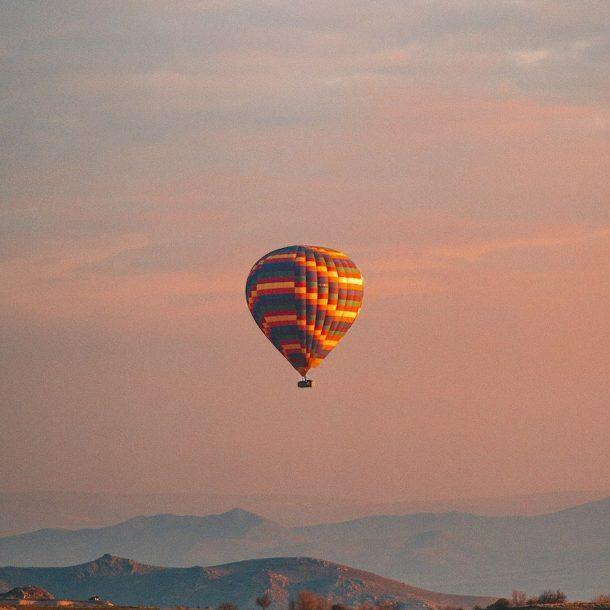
[{"x": 458, "y": 151}]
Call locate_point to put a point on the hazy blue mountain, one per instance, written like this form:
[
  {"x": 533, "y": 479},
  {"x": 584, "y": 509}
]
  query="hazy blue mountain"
[
  {"x": 453, "y": 551},
  {"x": 126, "y": 582},
  {"x": 161, "y": 539},
  {"x": 27, "y": 511},
  {"x": 569, "y": 549}
]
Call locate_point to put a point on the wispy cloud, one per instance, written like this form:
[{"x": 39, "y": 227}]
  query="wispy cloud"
[{"x": 472, "y": 252}]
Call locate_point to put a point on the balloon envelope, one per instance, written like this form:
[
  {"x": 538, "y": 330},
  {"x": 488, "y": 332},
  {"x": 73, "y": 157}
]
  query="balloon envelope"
[{"x": 304, "y": 298}]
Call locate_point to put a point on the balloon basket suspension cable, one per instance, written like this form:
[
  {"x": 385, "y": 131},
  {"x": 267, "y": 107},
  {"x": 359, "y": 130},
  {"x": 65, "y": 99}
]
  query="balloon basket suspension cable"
[{"x": 305, "y": 383}]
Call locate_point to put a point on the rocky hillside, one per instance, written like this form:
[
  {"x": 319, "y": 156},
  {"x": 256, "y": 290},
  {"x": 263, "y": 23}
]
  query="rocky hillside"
[
  {"x": 130, "y": 583},
  {"x": 28, "y": 592}
]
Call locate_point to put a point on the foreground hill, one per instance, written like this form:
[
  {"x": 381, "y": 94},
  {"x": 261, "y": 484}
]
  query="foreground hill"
[
  {"x": 453, "y": 551},
  {"x": 130, "y": 583}
]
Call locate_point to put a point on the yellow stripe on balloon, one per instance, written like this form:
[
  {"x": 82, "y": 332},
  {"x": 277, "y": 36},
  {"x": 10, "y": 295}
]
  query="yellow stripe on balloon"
[{"x": 273, "y": 285}]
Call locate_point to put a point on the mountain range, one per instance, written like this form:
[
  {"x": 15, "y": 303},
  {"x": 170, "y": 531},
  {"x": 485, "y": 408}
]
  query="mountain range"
[
  {"x": 450, "y": 552},
  {"x": 127, "y": 582},
  {"x": 27, "y": 511}
]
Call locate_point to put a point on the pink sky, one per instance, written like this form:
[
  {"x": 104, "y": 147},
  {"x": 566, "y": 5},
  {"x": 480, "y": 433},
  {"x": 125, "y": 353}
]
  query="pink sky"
[{"x": 459, "y": 153}]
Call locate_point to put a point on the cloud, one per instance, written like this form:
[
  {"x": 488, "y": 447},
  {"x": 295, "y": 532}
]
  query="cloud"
[
  {"x": 472, "y": 252},
  {"x": 537, "y": 270}
]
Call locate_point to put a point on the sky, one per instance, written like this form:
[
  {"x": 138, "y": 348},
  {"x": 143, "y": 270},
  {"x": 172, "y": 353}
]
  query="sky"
[{"x": 458, "y": 151}]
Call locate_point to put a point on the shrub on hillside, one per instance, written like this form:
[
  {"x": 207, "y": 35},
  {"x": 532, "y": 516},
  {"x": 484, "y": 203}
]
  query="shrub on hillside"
[
  {"x": 552, "y": 597},
  {"x": 264, "y": 600},
  {"x": 306, "y": 600},
  {"x": 519, "y": 599},
  {"x": 499, "y": 604}
]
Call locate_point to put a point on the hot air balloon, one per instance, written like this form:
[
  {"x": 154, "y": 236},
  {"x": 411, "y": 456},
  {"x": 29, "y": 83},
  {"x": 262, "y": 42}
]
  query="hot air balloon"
[{"x": 304, "y": 298}]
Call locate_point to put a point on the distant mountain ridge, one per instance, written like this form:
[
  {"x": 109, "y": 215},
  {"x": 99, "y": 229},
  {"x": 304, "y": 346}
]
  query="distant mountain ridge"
[
  {"x": 22, "y": 512},
  {"x": 125, "y": 581},
  {"x": 569, "y": 549}
]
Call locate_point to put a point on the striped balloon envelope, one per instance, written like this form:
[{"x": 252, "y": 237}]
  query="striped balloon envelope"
[{"x": 304, "y": 298}]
